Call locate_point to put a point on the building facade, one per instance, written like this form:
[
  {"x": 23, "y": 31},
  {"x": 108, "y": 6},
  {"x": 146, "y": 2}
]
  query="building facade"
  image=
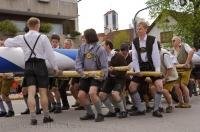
[
  {"x": 110, "y": 21},
  {"x": 61, "y": 14}
]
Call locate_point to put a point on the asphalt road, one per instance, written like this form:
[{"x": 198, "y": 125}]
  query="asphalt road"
[{"x": 181, "y": 120}]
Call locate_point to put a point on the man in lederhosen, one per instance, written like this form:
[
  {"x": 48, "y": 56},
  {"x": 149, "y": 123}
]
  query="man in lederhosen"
[
  {"x": 36, "y": 48},
  {"x": 114, "y": 83},
  {"x": 184, "y": 53},
  {"x": 91, "y": 56},
  {"x": 146, "y": 57}
]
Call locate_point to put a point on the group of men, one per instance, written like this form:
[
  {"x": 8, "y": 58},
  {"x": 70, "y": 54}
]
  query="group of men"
[{"x": 146, "y": 54}]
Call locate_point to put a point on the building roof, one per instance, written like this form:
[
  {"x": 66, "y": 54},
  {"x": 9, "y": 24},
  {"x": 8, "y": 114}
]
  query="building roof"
[
  {"x": 110, "y": 11},
  {"x": 178, "y": 16}
]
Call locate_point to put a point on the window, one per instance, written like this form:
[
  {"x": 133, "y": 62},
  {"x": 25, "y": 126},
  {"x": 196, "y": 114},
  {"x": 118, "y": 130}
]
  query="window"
[{"x": 57, "y": 29}]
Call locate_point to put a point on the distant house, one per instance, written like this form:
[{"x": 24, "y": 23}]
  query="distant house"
[
  {"x": 118, "y": 37},
  {"x": 165, "y": 23}
]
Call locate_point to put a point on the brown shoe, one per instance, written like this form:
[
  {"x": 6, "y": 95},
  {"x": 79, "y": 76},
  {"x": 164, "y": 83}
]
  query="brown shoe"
[
  {"x": 183, "y": 105},
  {"x": 180, "y": 105},
  {"x": 186, "y": 105}
]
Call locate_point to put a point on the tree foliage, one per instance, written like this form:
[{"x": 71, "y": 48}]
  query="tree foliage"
[
  {"x": 119, "y": 38},
  {"x": 8, "y": 28},
  {"x": 188, "y": 23},
  {"x": 73, "y": 34},
  {"x": 45, "y": 27}
]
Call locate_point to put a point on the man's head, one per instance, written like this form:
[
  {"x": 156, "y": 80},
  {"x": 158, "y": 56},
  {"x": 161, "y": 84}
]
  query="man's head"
[
  {"x": 176, "y": 41},
  {"x": 108, "y": 45},
  {"x": 68, "y": 44},
  {"x": 33, "y": 23},
  {"x": 90, "y": 36},
  {"x": 55, "y": 41},
  {"x": 124, "y": 48},
  {"x": 142, "y": 28}
]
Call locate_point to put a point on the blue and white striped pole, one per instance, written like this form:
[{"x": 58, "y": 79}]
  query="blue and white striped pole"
[{"x": 12, "y": 59}]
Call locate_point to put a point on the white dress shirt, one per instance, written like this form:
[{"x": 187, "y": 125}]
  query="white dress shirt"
[
  {"x": 43, "y": 49},
  {"x": 155, "y": 55}
]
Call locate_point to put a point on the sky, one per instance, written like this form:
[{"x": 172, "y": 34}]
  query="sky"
[{"x": 91, "y": 13}]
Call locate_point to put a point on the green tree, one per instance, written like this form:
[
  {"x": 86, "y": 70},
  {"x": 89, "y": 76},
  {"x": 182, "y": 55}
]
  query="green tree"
[
  {"x": 45, "y": 27},
  {"x": 73, "y": 34},
  {"x": 188, "y": 23},
  {"x": 8, "y": 28},
  {"x": 119, "y": 38}
]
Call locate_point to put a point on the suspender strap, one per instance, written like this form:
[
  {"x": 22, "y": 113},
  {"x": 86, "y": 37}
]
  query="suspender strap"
[
  {"x": 35, "y": 45},
  {"x": 32, "y": 50}
]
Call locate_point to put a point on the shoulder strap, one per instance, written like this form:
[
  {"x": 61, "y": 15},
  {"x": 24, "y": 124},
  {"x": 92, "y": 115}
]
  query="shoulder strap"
[
  {"x": 28, "y": 45},
  {"x": 97, "y": 58},
  {"x": 149, "y": 45},
  {"x": 136, "y": 43},
  {"x": 32, "y": 50},
  {"x": 35, "y": 44}
]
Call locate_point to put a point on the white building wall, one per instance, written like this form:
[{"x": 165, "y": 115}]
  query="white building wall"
[{"x": 156, "y": 30}]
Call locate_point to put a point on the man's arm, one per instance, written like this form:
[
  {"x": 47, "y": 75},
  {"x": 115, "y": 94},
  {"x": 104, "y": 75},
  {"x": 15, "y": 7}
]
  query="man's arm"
[
  {"x": 14, "y": 42},
  {"x": 189, "y": 58},
  {"x": 79, "y": 62},
  {"x": 50, "y": 56},
  {"x": 169, "y": 65},
  {"x": 190, "y": 52},
  {"x": 103, "y": 59}
]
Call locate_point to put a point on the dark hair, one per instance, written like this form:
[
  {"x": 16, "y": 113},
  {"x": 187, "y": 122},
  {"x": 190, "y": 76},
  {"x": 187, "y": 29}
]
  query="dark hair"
[
  {"x": 90, "y": 36},
  {"x": 124, "y": 47},
  {"x": 26, "y": 29},
  {"x": 109, "y": 43},
  {"x": 55, "y": 36}
]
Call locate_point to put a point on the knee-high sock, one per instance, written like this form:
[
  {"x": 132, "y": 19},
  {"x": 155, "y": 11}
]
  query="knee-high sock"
[
  {"x": 108, "y": 104},
  {"x": 2, "y": 106},
  {"x": 88, "y": 109},
  {"x": 121, "y": 105},
  {"x": 157, "y": 100},
  {"x": 9, "y": 104},
  {"x": 137, "y": 99},
  {"x": 46, "y": 113},
  {"x": 97, "y": 106},
  {"x": 58, "y": 105},
  {"x": 33, "y": 115}
]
